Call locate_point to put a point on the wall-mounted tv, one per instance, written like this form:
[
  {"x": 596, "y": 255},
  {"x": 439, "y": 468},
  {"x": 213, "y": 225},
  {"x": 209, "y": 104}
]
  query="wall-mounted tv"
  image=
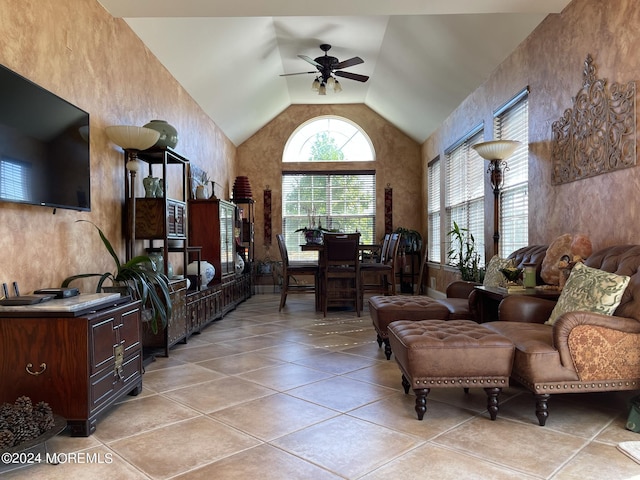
[{"x": 44, "y": 146}]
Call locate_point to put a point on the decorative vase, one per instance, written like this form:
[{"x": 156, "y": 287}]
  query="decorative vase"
[
  {"x": 160, "y": 189},
  {"x": 150, "y": 186},
  {"x": 207, "y": 272},
  {"x": 201, "y": 192},
  {"x": 168, "y": 133}
]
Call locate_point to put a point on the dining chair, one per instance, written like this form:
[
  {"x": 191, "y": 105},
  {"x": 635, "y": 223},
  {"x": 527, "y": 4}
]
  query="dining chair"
[
  {"x": 384, "y": 270},
  {"x": 341, "y": 271},
  {"x": 290, "y": 274}
]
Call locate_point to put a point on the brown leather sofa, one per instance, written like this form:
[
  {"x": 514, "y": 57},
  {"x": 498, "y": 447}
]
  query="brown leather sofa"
[
  {"x": 582, "y": 352},
  {"x": 461, "y": 295}
]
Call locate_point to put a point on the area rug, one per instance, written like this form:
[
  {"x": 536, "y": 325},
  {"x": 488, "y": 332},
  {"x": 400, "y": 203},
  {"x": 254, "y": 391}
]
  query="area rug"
[{"x": 631, "y": 449}]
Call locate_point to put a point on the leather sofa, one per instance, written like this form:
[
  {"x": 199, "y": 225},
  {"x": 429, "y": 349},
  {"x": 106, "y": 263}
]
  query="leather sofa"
[
  {"x": 461, "y": 295},
  {"x": 581, "y": 352}
]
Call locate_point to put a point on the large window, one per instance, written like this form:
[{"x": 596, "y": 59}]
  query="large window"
[
  {"x": 433, "y": 210},
  {"x": 338, "y": 200},
  {"x": 343, "y": 201},
  {"x": 464, "y": 188},
  {"x": 328, "y": 139},
  {"x": 511, "y": 122}
]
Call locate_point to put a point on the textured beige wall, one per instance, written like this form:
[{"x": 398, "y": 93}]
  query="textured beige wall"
[
  {"x": 75, "y": 49},
  {"x": 397, "y": 163},
  {"x": 550, "y": 61}
]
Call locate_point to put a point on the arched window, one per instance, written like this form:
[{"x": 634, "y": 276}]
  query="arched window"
[
  {"x": 328, "y": 139},
  {"x": 337, "y": 200}
]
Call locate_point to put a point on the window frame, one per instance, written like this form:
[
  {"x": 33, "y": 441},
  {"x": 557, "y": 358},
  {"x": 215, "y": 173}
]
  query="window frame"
[{"x": 329, "y": 213}]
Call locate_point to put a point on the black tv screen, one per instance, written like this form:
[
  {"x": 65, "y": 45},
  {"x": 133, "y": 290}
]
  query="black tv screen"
[{"x": 44, "y": 146}]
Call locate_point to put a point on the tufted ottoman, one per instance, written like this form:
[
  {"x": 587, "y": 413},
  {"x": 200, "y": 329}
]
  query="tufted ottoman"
[
  {"x": 387, "y": 309},
  {"x": 457, "y": 353}
]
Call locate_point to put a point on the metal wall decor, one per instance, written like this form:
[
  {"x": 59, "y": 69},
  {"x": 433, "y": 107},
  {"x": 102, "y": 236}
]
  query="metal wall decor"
[{"x": 597, "y": 135}]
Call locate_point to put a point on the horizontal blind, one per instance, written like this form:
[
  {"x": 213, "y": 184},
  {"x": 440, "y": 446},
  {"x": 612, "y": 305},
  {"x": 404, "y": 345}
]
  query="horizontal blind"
[
  {"x": 512, "y": 123},
  {"x": 464, "y": 189},
  {"x": 343, "y": 201},
  {"x": 433, "y": 211}
]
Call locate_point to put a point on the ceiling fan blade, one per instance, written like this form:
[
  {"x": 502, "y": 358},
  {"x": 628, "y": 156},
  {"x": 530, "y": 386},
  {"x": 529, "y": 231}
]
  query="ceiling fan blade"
[
  {"x": 299, "y": 73},
  {"x": 310, "y": 60},
  {"x": 352, "y": 76},
  {"x": 348, "y": 63}
]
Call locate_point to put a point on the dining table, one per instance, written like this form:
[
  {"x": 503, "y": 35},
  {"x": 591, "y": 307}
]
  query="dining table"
[{"x": 366, "y": 250}]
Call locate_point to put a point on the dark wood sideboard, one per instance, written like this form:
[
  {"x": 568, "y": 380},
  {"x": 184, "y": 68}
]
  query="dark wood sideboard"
[{"x": 79, "y": 362}]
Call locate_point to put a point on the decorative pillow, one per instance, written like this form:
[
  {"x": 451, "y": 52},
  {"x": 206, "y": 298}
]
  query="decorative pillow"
[
  {"x": 493, "y": 276},
  {"x": 591, "y": 290}
]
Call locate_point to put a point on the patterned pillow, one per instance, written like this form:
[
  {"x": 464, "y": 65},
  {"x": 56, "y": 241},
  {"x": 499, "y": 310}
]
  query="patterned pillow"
[
  {"x": 493, "y": 276},
  {"x": 591, "y": 290}
]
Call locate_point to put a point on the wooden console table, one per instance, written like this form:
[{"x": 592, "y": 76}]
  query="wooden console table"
[
  {"x": 79, "y": 357},
  {"x": 489, "y": 299}
]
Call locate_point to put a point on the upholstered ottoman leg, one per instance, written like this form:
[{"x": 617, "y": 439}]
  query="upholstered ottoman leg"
[
  {"x": 387, "y": 349},
  {"x": 542, "y": 408},
  {"x": 492, "y": 401},
  {"x": 421, "y": 401},
  {"x": 405, "y": 384}
]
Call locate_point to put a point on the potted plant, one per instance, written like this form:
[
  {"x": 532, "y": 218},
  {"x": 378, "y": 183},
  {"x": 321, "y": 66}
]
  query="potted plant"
[
  {"x": 410, "y": 240},
  {"x": 141, "y": 279},
  {"x": 463, "y": 254}
]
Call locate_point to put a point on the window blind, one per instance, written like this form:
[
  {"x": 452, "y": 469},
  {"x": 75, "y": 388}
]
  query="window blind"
[
  {"x": 512, "y": 123},
  {"x": 464, "y": 189},
  {"x": 344, "y": 201},
  {"x": 433, "y": 210}
]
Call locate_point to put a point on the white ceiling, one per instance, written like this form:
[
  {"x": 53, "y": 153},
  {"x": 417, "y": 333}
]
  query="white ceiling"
[{"x": 424, "y": 57}]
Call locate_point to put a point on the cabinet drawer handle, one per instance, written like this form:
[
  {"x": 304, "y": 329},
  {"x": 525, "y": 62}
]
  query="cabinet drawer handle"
[{"x": 43, "y": 367}]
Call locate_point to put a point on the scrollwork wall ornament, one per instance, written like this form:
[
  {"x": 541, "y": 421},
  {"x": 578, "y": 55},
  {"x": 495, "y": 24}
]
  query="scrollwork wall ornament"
[{"x": 598, "y": 134}]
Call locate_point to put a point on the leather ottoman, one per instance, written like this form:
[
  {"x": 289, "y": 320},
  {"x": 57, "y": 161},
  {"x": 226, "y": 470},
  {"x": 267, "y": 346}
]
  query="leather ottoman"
[
  {"x": 387, "y": 309},
  {"x": 455, "y": 353}
]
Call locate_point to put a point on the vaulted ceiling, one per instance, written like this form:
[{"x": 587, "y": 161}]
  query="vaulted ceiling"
[{"x": 423, "y": 57}]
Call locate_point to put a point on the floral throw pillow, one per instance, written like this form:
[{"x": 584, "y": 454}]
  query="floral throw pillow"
[
  {"x": 493, "y": 277},
  {"x": 590, "y": 290}
]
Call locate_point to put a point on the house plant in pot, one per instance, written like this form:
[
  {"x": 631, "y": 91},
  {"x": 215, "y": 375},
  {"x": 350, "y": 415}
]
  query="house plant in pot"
[{"x": 140, "y": 278}]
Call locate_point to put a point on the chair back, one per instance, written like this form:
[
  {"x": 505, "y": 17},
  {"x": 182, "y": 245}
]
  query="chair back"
[
  {"x": 342, "y": 249},
  {"x": 385, "y": 247},
  {"x": 392, "y": 250},
  {"x": 283, "y": 250}
]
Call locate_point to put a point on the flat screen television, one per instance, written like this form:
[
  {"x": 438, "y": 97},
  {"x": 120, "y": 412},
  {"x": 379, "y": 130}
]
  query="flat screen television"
[{"x": 44, "y": 146}]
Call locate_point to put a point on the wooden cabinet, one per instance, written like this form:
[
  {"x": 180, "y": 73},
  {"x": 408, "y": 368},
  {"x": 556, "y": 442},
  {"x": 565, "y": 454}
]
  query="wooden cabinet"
[
  {"x": 80, "y": 365},
  {"x": 176, "y": 330},
  {"x": 211, "y": 226}
]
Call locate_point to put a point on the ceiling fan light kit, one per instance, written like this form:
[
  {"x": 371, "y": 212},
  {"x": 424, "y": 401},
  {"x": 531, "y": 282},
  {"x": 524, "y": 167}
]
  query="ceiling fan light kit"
[{"x": 329, "y": 66}]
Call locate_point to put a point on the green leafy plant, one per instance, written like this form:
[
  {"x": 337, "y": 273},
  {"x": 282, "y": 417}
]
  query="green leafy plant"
[
  {"x": 410, "y": 240},
  {"x": 141, "y": 278},
  {"x": 463, "y": 254}
]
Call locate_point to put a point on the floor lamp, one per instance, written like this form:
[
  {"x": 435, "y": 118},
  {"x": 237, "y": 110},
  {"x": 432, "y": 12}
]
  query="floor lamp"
[
  {"x": 496, "y": 152},
  {"x": 132, "y": 139}
]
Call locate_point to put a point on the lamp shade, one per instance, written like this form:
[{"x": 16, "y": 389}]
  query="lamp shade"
[
  {"x": 130, "y": 137},
  {"x": 496, "y": 149}
]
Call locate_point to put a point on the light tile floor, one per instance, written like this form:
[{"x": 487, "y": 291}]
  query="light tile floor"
[{"x": 293, "y": 395}]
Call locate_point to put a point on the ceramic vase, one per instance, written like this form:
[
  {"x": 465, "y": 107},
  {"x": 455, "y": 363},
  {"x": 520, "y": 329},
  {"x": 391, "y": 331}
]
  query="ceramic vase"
[
  {"x": 150, "y": 186},
  {"x": 168, "y": 133}
]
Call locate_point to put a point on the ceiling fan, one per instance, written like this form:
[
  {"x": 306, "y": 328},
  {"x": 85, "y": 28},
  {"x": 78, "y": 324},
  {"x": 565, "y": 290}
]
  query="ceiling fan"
[{"x": 328, "y": 67}]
